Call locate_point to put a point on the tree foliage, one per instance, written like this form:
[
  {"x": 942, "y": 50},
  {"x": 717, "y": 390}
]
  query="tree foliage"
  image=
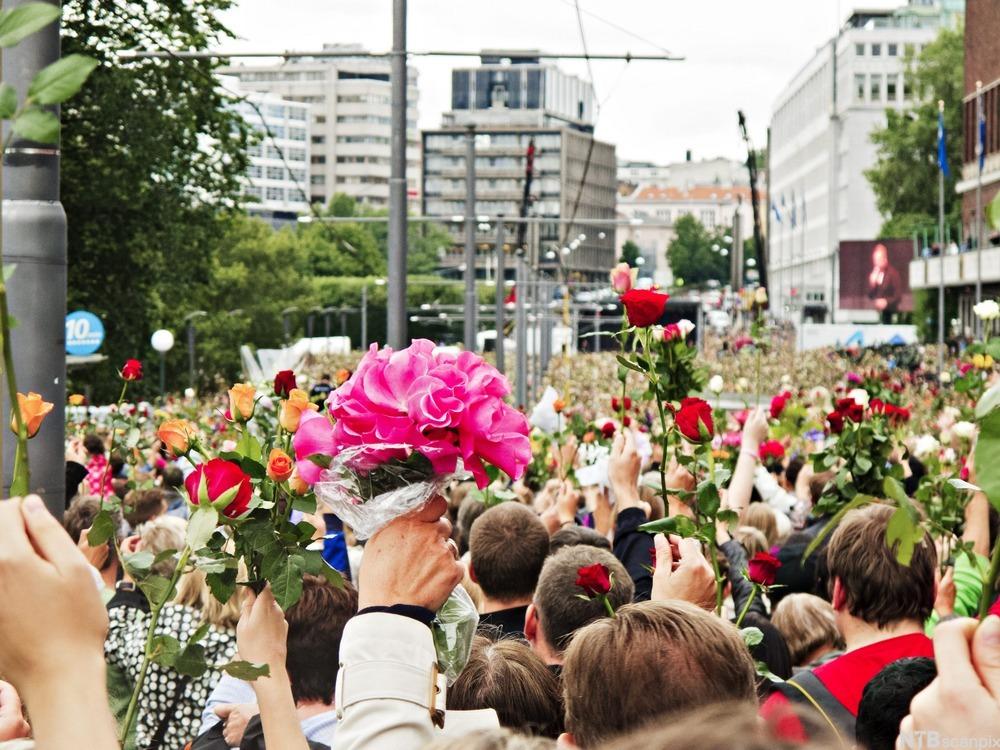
[
  {"x": 630, "y": 253},
  {"x": 905, "y": 175},
  {"x": 691, "y": 256}
]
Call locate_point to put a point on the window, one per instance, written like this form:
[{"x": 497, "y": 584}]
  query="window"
[
  {"x": 316, "y": 75},
  {"x": 254, "y": 170},
  {"x": 376, "y": 139},
  {"x": 254, "y": 150},
  {"x": 295, "y": 154},
  {"x": 275, "y": 194},
  {"x": 876, "y": 50},
  {"x": 277, "y": 131},
  {"x": 371, "y": 119},
  {"x": 317, "y": 179},
  {"x": 297, "y": 174},
  {"x": 859, "y": 50},
  {"x": 907, "y": 89},
  {"x": 276, "y": 173},
  {"x": 276, "y": 110},
  {"x": 296, "y": 113},
  {"x": 319, "y": 139},
  {"x": 297, "y": 134},
  {"x": 875, "y": 87},
  {"x": 272, "y": 152},
  {"x": 892, "y": 50},
  {"x": 252, "y": 192},
  {"x": 708, "y": 219},
  {"x": 320, "y": 119},
  {"x": 317, "y": 159},
  {"x": 859, "y": 87},
  {"x": 363, "y": 99},
  {"x": 891, "y": 85}
]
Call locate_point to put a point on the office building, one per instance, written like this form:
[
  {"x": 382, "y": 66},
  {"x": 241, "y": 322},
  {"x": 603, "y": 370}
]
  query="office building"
[
  {"x": 511, "y": 100},
  {"x": 820, "y": 146},
  {"x": 349, "y": 99}
]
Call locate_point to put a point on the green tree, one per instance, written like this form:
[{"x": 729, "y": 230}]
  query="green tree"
[
  {"x": 630, "y": 253},
  {"x": 905, "y": 175},
  {"x": 691, "y": 255},
  {"x": 141, "y": 188}
]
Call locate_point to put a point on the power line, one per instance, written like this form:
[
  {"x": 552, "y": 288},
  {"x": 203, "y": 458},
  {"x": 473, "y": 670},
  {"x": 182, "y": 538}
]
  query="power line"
[
  {"x": 322, "y": 54},
  {"x": 612, "y": 24}
]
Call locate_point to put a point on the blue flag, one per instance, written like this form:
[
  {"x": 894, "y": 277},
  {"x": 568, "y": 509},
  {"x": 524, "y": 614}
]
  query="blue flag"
[
  {"x": 981, "y": 139},
  {"x": 942, "y": 150}
]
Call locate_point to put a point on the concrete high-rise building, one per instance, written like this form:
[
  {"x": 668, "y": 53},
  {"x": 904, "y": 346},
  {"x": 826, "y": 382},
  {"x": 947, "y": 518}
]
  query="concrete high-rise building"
[
  {"x": 277, "y": 180},
  {"x": 349, "y": 100},
  {"x": 820, "y": 147},
  {"x": 511, "y": 100}
]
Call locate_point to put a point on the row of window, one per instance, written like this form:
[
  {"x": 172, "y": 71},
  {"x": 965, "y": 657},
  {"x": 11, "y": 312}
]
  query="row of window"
[
  {"x": 363, "y": 99},
  {"x": 377, "y": 140},
  {"x": 878, "y": 88},
  {"x": 706, "y": 216},
  {"x": 382, "y": 160},
  {"x": 280, "y": 112},
  {"x": 269, "y": 75},
  {"x": 273, "y": 193},
  {"x": 270, "y": 152},
  {"x": 275, "y": 173},
  {"x": 551, "y": 141},
  {"x": 361, "y": 180},
  {"x": 891, "y": 49},
  {"x": 550, "y": 162},
  {"x": 545, "y": 185},
  {"x": 280, "y": 131}
]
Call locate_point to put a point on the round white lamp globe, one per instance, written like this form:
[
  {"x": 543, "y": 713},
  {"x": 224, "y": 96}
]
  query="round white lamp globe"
[{"x": 162, "y": 340}]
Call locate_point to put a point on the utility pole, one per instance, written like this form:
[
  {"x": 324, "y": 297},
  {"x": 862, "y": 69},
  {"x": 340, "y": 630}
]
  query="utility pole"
[
  {"x": 980, "y": 152},
  {"x": 940, "y": 322},
  {"x": 521, "y": 330},
  {"x": 500, "y": 294},
  {"x": 471, "y": 301},
  {"x": 34, "y": 238},
  {"x": 396, "y": 335},
  {"x": 364, "y": 317}
]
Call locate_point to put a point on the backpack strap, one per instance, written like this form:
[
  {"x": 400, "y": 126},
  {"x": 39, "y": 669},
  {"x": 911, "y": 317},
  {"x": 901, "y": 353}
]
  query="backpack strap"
[{"x": 805, "y": 688}]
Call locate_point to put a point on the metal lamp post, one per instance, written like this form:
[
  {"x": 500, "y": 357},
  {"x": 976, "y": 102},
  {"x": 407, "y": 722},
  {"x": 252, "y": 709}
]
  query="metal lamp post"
[
  {"x": 162, "y": 341},
  {"x": 286, "y": 322}
]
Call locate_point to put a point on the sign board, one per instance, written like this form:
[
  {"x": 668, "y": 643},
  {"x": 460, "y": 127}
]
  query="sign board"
[
  {"x": 84, "y": 333},
  {"x": 819, "y": 335}
]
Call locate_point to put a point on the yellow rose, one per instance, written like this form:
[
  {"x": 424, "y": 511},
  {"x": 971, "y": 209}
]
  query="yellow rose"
[
  {"x": 241, "y": 401},
  {"x": 33, "y": 410},
  {"x": 292, "y": 408},
  {"x": 176, "y": 435},
  {"x": 77, "y": 399},
  {"x": 296, "y": 484},
  {"x": 279, "y": 465}
]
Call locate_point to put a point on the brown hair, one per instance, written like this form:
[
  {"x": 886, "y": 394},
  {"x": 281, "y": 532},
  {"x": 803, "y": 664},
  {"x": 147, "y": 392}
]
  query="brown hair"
[
  {"x": 492, "y": 739},
  {"x": 761, "y": 516},
  {"x": 315, "y": 626},
  {"x": 144, "y": 505},
  {"x": 733, "y": 726},
  {"x": 654, "y": 659},
  {"x": 159, "y": 535},
  {"x": 561, "y": 612},
  {"x": 508, "y": 545},
  {"x": 752, "y": 539},
  {"x": 877, "y": 588},
  {"x": 510, "y": 678},
  {"x": 193, "y": 591},
  {"x": 79, "y": 517},
  {"x": 808, "y": 623}
]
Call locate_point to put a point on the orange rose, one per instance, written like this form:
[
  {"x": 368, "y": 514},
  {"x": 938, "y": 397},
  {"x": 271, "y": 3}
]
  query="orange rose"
[
  {"x": 77, "y": 399},
  {"x": 292, "y": 408},
  {"x": 33, "y": 411},
  {"x": 343, "y": 375},
  {"x": 176, "y": 435},
  {"x": 558, "y": 405},
  {"x": 296, "y": 484},
  {"x": 241, "y": 401},
  {"x": 279, "y": 465}
]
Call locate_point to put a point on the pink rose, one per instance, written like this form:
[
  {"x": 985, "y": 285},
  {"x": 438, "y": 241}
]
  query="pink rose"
[
  {"x": 315, "y": 435},
  {"x": 495, "y": 432}
]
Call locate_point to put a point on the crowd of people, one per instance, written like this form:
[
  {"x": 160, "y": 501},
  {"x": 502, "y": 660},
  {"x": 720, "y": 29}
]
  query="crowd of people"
[{"x": 592, "y": 633}]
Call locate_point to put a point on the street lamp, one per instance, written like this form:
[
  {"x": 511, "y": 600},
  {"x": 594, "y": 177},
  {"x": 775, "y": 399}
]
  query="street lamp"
[
  {"x": 286, "y": 321},
  {"x": 189, "y": 321},
  {"x": 310, "y": 319},
  {"x": 162, "y": 341}
]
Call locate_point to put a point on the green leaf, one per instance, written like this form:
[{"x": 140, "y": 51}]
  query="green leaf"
[
  {"x": 8, "y": 101},
  {"x": 222, "y": 585},
  {"x": 156, "y": 588},
  {"x": 857, "y": 502},
  {"x": 244, "y": 670},
  {"x": 285, "y": 577},
  {"x": 987, "y": 456},
  {"x": 988, "y": 401},
  {"x": 764, "y": 671},
  {"x": 961, "y": 484},
  {"x": 863, "y": 464},
  {"x": 165, "y": 650},
  {"x": 903, "y": 533},
  {"x": 138, "y": 561},
  {"x": 332, "y": 576},
  {"x": 321, "y": 460},
  {"x": 680, "y": 525},
  {"x": 8, "y": 269},
  {"x": 25, "y": 20},
  {"x": 200, "y": 633},
  {"x": 57, "y": 82},
  {"x": 37, "y": 125},
  {"x": 893, "y": 489},
  {"x": 132, "y": 439},
  {"x": 191, "y": 661},
  {"x": 751, "y": 636},
  {"x": 629, "y": 364},
  {"x": 201, "y": 526},
  {"x": 101, "y": 530}
]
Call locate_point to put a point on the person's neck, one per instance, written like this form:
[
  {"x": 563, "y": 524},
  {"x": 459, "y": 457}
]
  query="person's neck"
[
  {"x": 858, "y": 633},
  {"x": 308, "y": 709},
  {"x": 491, "y": 605},
  {"x": 110, "y": 576}
]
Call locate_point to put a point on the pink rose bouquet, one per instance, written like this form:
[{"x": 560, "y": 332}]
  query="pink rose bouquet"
[{"x": 405, "y": 422}]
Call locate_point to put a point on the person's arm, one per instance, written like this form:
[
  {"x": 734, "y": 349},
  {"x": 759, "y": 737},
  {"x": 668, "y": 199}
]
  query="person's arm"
[
  {"x": 742, "y": 589},
  {"x": 631, "y": 546},
  {"x": 261, "y": 637},
  {"x": 57, "y": 668},
  {"x": 977, "y": 524},
  {"x": 388, "y": 688},
  {"x": 741, "y": 485}
]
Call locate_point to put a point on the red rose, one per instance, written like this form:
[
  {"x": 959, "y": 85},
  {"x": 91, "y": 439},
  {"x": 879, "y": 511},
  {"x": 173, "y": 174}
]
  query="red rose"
[
  {"x": 963, "y": 474},
  {"x": 221, "y": 484},
  {"x": 836, "y": 421},
  {"x": 778, "y": 405},
  {"x": 694, "y": 420},
  {"x": 627, "y": 421},
  {"x": 132, "y": 370},
  {"x": 851, "y": 409},
  {"x": 671, "y": 331},
  {"x": 594, "y": 579},
  {"x": 643, "y": 306},
  {"x": 771, "y": 450},
  {"x": 284, "y": 382},
  {"x": 763, "y": 569},
  {"x": 608, "y": 429},
  {"x": 616, "y": 405}
]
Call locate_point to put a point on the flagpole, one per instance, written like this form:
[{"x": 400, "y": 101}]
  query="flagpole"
[
  {"x": 940, "y": 357},
  {"x": 980, "y": 150}
]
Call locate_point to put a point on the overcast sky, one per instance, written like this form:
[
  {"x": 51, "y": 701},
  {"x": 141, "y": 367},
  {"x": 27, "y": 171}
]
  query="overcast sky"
[{"x": 739, "y": 54}]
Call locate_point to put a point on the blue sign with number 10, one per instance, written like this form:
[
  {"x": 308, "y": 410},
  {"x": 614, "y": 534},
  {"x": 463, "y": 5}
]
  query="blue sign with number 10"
[{"x": 84, "y": 333}]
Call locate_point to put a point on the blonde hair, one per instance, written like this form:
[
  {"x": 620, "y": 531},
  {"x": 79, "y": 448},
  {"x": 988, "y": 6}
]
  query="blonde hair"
[
  {"x": 762, "y": 517},
  {"x": 159, "y": 535},
  {"x": 752, "y": 539},
  {"x": 807, "y": 623},
  {"x": 193, "y": 591}
]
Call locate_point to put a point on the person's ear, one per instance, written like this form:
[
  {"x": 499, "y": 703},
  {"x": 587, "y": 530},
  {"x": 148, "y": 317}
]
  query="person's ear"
[
  {"x": 472, "y": 573},
  {"x": 839, "y": 599},
  {"x": 566, "y": 740},
  {"x": 531, "y": 624}
]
